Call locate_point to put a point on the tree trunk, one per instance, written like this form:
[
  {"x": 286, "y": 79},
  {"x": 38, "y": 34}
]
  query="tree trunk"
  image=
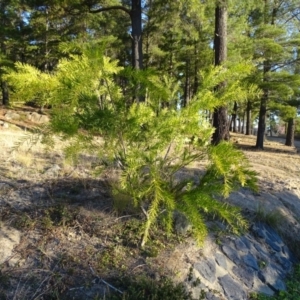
[
  {"x": 248, "y": 113},
  {"x": 186, "y": 95},
  {"x": 136, "y": 21},
  {"x": 289, "y": 141},
  {"x": 5, "y": 94},
  {"x": 262, "y": 122},
  {"x": 263, "y": 111},
  {"x": 135, "y": 14},
  {"x": 265, "y": 97},
  {"x": 243, "y": 124},
  {"x": 235, "y": 107},
  {"x": 220, "y": 120},
  {"x": 221, "y": 124},
  {"x": 196, "y": 78}
]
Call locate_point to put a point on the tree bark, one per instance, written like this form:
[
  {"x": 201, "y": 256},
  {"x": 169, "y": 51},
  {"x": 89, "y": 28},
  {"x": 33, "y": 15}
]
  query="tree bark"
[
  {"x": 220, "y": 123},
  {"x": 265, "y": 97},
  {"x": 263, "y": 111},
  {"x": 220, "y": 119},
  {"x": 186, "y": 95},
  {"x": 196, "y": 78},
  {"x": 289, "y": 141},
  {"x": 135, "y": 14},
  {"x": 233, "y": 122},
  {"x": 5, "y": 93},
  {"x": 136, "y": 23},
  {"x": 262, "y": 122},
  {"x": 243, "y": 123},
  {"x": 248, "y": 113}
]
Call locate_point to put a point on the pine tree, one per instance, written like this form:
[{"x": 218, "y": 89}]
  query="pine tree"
[
  {"x": 274, "y": 45},
  {"x": 147, "y": 142}
]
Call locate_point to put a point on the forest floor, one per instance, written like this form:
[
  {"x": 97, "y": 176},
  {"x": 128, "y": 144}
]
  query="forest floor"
[{"x": 69, "y": 233}]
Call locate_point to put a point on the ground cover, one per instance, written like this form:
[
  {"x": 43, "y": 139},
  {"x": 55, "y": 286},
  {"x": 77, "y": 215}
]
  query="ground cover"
[{"x": 76, "y": 241}]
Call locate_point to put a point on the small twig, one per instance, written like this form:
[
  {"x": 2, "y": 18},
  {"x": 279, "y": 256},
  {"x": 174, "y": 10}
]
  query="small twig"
[
  {"x": 138, "y": 267},
  {"x": 127, "y": 216},
  {"x": 76, "y": 288},
  {"x": 167, "y": 153},
  {"x": 161, "y": 212},
  {"x": 16, "y": 290},
  {"x": 47, "y": 278},
  {"x": 111, "y": 286},
  {"x": 145, "y": 212},
  {"x": 92, "y": 270}
]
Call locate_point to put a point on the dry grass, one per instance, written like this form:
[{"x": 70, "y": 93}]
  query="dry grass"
[
  {"x": 276, "y": 160},
  {"x": 71, "y": 233}
]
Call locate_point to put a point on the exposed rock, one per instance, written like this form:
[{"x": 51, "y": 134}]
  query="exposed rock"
[
  {"x": 271, "y": 277},
  {"x": 207, "y": 268},
  {"x": 241, "y": 265},
  {"x": 37, "y": 118},
  {"x": 11, "y": 115},
  {"x": 182, "y": 225},
  {"x": 239, "y": 244},
  {"x": 232, "y": 289},
  {"x": 211, "y": 296},
  {"x": 53, "y": 171},
  {"x": 231, "y": 253},
  {"x": 221, "y": 260},
  {"x": 250, "y": 261},
  {"x": 44, "y": 119},
  {"x": 246, "y": 275},
  {"x": 9, "y": 238}
]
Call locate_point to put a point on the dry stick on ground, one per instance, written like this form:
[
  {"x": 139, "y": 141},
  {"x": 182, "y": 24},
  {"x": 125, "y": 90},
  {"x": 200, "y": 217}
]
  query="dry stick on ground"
[{"x": 109, "y": 285}]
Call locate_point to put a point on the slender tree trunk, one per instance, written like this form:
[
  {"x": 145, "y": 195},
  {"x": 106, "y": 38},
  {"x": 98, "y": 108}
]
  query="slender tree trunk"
[
  {"x": 262, "y": 122},
  {"x": 267, "y": 68},
  {"x": 230, "y": 124},
  {"x": 248, "y": 123},
  {"x": 196, "y": 78},
  {"x": 289, "y": 141},
  {"x": 235, "y": 107},
  {"x": 243, "y": 124},
  {"x": 4, "y": 88},
  {"x": 5, "y": 94},
  {"x": 136, "y": 21},
  {"x": 220, "y": 120},
  {"x": 186, "y": 95},
  {"x": 263, "y": 112},
  {"x": 135, "y": 14}
]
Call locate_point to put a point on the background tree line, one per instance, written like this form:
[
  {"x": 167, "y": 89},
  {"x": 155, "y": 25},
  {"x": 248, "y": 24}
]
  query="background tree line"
[{"x": 177, "y": 38}]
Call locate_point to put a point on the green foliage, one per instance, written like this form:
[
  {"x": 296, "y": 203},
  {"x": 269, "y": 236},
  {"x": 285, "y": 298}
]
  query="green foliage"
[
  {"x": 31, "y": 84},
  {"x": 151, "y": 144},
  {"x": 297, "y": 129},
  {"x": 149, "y": 289}
]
